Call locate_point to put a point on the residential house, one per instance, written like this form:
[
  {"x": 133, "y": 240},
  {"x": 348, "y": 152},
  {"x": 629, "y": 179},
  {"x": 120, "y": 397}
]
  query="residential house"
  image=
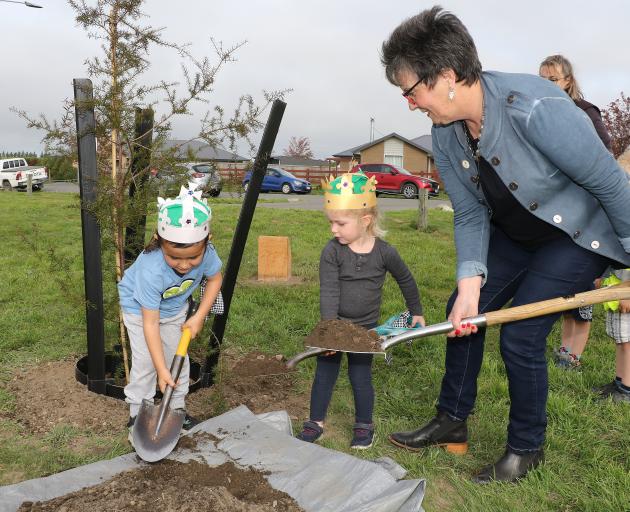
[
  {"x": 199, "y": 151},
  {"x": 415, "y": 155},
  {"x": 227, "y": 162}
]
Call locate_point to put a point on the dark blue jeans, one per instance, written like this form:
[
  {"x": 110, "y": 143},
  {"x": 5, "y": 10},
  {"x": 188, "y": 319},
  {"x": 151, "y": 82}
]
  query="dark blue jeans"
[
  {"x": 556, "y": 269},
  {"x": 360, "y": 374}
]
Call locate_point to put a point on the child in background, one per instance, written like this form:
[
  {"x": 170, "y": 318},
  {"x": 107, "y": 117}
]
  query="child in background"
[
  {"x": 352, "y": 270},
  {"x": 154, "y": 296},
  {"x": 618, "y": 328}
]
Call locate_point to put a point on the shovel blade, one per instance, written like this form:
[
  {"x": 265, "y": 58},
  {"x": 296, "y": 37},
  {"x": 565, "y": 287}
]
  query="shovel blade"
[{"x": 150, "y": 446}]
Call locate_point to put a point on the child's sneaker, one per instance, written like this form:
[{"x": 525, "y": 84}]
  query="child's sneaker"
[
  {"x": 568, "y": 361},
  {"x": 561, "y": 357},
  {"x": 190, "y": 422},
  {"x": 363, "y": 435},
  {"x": 130, "y": 423},
  {"x": 311, "y": 432},
  {"x": 606, "y": 390},
  {"x": 619, "y": 395}
]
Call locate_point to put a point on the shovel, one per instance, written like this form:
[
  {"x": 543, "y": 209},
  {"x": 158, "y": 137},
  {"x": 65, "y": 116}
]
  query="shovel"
[
  {"x": 620, "y": 291},
  {"x": 157, "y": 427}
]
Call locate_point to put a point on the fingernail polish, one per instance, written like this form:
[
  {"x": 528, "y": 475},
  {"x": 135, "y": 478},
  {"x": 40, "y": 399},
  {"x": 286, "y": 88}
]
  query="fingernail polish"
[{"x": 457, "y": 332}]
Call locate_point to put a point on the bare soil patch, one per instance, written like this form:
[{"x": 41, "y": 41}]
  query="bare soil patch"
[
  {"x": 171, "y": 486},
  {"x": 48, "y": 395},
  {"x": 343, "y": 335},
  {"x": 259, "y": 381}
]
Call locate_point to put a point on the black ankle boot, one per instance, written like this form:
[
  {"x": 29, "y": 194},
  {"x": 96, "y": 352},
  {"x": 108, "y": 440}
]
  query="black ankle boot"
[
  {"x": 510, "y": 468},
  {"x": 440, "y": 431}
]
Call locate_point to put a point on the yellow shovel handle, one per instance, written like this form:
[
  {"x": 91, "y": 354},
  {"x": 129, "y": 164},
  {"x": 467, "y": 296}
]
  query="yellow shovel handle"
[{"x": 182, "y": 347}]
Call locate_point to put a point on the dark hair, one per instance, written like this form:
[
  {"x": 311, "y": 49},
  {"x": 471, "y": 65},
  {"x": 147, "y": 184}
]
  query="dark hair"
[
  {"x": 429, "y": 43},
  {"x": 157, "y": 241}
]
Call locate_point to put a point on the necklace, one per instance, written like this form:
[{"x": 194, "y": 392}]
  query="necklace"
[{"x": 473, "y": 144}]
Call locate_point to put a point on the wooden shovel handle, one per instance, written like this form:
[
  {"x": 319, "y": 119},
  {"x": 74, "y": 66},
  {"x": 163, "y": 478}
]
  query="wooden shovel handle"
[{"x": 619, "y": 291}]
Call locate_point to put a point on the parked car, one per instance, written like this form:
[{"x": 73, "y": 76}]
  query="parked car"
[
  {"x": 278, "y": 180},
  {"x": 203, "y": 174},
  {"x": 391, "y": 179},
  {"x": 14, "y": 174}
]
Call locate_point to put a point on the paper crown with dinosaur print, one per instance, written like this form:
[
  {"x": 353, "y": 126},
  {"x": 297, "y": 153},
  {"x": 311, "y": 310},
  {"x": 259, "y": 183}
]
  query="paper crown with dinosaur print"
[
  {"x": 351, "y": 191},
  {"x": 185, "y": 219}
]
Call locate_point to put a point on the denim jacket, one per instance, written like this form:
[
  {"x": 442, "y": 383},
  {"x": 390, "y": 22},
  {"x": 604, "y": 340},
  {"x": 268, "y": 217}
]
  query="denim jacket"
[{"x": 548, "y": 154}]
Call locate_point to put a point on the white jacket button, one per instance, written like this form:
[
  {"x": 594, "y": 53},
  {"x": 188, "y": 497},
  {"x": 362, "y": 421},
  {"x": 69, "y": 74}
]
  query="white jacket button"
[
  {"x": 465, "y": 164},
  {"x": 595, "y": 244},
  {"x": 557, "y": 219}
]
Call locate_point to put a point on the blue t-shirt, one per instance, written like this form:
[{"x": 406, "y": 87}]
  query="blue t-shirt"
[{"x": 151, "y": 284}]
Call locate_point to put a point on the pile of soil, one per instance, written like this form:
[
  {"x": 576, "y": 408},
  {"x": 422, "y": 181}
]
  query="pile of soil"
[
  {"x": 49, "y": 395},
  {"x": 259, "y": 381},
  {"x": 170, "y": 486},
  {"x": 343, "y": 335}
]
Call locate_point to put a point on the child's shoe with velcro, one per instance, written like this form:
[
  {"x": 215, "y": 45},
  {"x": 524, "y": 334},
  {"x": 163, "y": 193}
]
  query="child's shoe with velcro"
[
  {"x": 190, "y": 422},
  {"x": 311, "y": 432},
  {"x": 363, "y": 436}
]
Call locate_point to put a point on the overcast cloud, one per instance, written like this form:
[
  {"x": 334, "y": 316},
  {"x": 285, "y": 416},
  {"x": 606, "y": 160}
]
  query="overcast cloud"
[{"x": 326, "y": 51}]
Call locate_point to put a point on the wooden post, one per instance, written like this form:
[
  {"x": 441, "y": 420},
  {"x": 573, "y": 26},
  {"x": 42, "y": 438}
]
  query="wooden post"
[
  {"x": 274, "y": 258},
  {"x": 423, "y": 200},
  {"x": 29, "y": 183}
]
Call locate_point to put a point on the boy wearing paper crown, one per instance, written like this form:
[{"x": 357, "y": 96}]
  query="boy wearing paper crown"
[
  {"x": 154, "y": 296},
  {"x": 352, "y": 270}
]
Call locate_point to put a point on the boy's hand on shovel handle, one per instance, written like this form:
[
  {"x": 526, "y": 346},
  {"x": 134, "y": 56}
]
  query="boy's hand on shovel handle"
[
  {"x": 195, "y": 324},
  {"x": 165, "y": 379}
]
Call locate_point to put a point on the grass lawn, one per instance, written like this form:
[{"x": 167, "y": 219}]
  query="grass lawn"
[{"x": 42, "y": 319}]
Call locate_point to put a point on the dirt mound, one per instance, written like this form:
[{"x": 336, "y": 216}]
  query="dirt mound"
[
  {"x": 49, "y": 395},
  {"x": 261, "y": 382},
  {"x": 171, "y": 486},
  {"x": 343, "y": 335}
]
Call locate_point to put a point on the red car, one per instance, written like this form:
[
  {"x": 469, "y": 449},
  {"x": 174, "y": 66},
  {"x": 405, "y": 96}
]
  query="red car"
[{"x": 396, "y": 180}]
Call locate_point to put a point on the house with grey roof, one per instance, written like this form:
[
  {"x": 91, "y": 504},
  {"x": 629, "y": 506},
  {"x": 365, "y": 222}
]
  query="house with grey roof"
[
  {"x": 293, "y": 163},
  {"x": 198, "y": 151}
]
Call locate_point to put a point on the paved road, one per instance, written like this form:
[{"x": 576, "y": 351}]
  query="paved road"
[{"x": 293, "y": 201}]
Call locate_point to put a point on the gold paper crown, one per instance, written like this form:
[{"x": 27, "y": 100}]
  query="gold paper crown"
[{"x": 351, "y": 191}]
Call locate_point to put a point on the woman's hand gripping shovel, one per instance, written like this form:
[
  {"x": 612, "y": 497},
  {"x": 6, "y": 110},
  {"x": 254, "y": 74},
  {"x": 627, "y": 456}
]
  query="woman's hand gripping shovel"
[
  {"x": 620, "y": 291},
  {"x": 157, "y": 427}
]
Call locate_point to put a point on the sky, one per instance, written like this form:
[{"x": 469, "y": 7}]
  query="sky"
[{"x": 326, "y": 51}]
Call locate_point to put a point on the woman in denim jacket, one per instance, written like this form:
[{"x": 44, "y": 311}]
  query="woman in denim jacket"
[{"x": 540, "y": 211}]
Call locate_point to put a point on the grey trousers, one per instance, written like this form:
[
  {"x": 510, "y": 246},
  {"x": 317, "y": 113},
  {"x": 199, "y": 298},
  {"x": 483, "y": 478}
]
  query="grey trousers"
[{"x": 143, "y": 377}]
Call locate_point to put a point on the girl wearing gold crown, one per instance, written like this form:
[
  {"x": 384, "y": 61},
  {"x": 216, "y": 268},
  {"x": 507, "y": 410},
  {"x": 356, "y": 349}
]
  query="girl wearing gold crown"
[
  {"x": 154, "y": 296},
  {"x": 352, "y": 270}
]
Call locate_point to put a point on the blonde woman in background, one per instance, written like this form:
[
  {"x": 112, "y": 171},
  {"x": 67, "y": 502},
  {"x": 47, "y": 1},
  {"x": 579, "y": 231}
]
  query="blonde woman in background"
[{"x": 576, "y": 324}]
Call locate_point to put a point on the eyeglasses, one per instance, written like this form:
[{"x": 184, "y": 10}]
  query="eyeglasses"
[{"x": 406, "y": 94}]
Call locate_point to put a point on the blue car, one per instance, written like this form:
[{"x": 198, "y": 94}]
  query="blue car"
[{"x": 278, "y": 180}]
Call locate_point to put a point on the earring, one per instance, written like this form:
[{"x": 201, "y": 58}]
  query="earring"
[{"x": 451, "y": 93}]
